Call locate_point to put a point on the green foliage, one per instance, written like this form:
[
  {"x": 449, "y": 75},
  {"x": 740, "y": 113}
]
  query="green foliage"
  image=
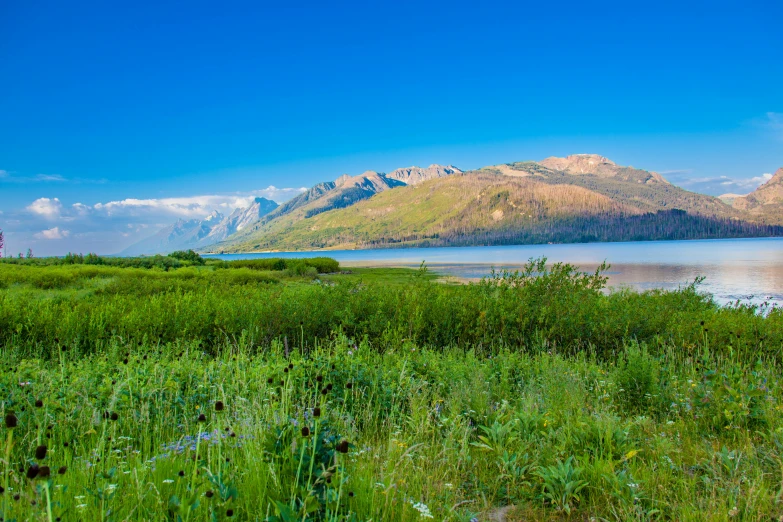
[
  {"x": 637, "y": 379},
  {"x": 550, "y": 309},
  {"x": 438, "y": 431},
  {"x": 295, "y": 266},
  {"x": 561, "y": 484},
  {"x": 188, "y": 255}
]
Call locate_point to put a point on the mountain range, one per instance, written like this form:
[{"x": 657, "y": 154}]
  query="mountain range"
[{"x": 579, "y": 198}]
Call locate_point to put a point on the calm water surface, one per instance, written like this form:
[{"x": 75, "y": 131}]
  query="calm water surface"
[{"x": 749, "y": 270}]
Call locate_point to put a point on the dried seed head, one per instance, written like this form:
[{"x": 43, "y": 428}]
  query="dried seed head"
[
  {"x": 114, "y": 416},
  {"x": 39, "y": 403},
  {"x": 32, "y": 471},
  {"x": 40, "y": 452},
  {"x": 282, "y": 383},
  {"x": 329, "y": 386},
  {"x": 305, "y": 431},
  {"x": 316, "y": 412},
  {"x": 62, "y": 470},
  {"x": 349, "y": 385},
  {"x": 181, "y": 473},
  {"x": 209, "y": 494},
  {"x": 202, "y": 418},
  {"x": 342, "y": 447},
  {"x": 350, "y": 493},
  {"x": 219, "y": 406},
  {"x": 11, "y": 421},
  {"x": 229, "y": 512},
  {"x": 44, "y": 472},
  {"x": 290, "y": 366},
  {"x": 324, "y": 391},
  {"x": 285, "y": 370},
  {"x": 269, "y": 380},
  {"x": 319, "y": 378}
]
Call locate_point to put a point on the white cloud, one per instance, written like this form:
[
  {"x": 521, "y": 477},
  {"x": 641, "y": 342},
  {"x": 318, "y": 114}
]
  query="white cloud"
[
  {"x": 49, "y": 177},
  {"x": 48, "y": 208},
  {"x": 193, "y": 206},
  {"x": 755, "y": 182},
  {"x": 3, "y": 173},
  {"x": 110, "y": 226},
  {"x": 52, "y": 233}
]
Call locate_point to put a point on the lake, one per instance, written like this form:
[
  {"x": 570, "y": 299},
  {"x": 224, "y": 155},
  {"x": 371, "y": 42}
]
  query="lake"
[{"x": 748, "y": 270}]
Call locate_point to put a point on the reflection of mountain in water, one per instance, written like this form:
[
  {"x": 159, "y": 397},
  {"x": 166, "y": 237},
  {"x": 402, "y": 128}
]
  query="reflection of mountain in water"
[{"x": 750, "y": 270}]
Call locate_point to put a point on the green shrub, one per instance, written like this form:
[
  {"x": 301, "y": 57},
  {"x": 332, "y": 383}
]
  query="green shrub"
[
  {"x": 188, "y": 255},
  {"x": 637, "y": 379},
  {"x": 322, "y": 265}
]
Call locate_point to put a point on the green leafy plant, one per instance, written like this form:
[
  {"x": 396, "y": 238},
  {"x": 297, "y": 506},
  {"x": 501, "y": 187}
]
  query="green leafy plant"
[{"x": 561, "y": 484}]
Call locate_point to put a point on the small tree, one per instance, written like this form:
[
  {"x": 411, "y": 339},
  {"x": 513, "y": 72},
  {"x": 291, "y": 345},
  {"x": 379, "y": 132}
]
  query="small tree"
[
  {"x": 29, "y": 253},
  {"x": 2, "y": 243}
]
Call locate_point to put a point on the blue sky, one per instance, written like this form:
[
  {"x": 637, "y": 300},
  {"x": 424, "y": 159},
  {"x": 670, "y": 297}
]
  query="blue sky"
[{"x": 103, "y": 104}]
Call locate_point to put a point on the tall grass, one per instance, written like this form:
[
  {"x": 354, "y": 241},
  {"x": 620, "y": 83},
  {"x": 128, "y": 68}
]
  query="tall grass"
[
  {"x": 555, "y": 309},
  {"x": 207, "y": 394}
]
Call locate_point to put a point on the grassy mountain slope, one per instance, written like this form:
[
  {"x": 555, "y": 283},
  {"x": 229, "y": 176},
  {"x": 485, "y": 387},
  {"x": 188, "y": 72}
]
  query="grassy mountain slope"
[
  {"x": 491, "y": 207},
  {"x": 766, "y": 202},
  {"x": 646, "y": 191}
]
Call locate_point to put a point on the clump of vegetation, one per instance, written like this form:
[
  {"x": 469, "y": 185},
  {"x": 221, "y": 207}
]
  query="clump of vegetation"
[
  {"x": 200, "y": 393},
  {"x": 297, "y": 266}
]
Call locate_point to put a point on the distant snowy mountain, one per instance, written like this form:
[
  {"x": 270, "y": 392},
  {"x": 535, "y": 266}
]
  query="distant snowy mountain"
[{"x": 198, "y": 233}]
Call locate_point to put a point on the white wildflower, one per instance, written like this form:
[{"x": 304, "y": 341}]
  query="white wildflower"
[{"x": 423, "y": 510}]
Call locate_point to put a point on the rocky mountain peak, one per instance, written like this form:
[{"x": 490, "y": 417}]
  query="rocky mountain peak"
[
  {"x": 579, "y": 163},
  {"x": 416, "y": 175}
]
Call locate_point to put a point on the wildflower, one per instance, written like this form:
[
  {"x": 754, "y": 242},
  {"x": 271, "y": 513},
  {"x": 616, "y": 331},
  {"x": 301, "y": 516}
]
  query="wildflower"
[
  {"x": 423, "y": 510},
  {"x": 40, "y": 452},
  {"x": 168, "y": 481},
  {"x": 11, "y": 421}
]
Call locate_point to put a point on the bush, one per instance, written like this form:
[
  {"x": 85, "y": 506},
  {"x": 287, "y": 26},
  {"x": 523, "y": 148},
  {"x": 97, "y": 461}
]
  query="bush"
[
  {"x": 322, "y": 265},
  {"x": 637, "y": 379},
  {"x": 188, "y": 255}
]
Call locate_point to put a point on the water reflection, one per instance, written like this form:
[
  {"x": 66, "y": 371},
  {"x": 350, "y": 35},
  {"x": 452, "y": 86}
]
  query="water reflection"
[{"x": 749, "y": 270}]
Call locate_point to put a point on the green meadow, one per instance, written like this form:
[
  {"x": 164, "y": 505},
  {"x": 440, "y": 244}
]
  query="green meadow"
[{"x": 182, "y": 389}]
